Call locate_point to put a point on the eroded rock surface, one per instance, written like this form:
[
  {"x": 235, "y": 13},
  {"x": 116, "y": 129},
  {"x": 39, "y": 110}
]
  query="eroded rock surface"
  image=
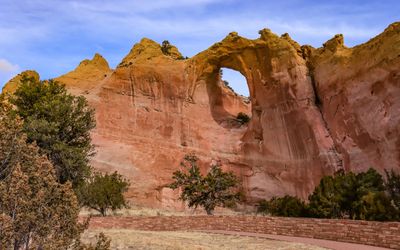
[
  {"x": 313, "y": 111},
  {"x": 359, "y": 90}
]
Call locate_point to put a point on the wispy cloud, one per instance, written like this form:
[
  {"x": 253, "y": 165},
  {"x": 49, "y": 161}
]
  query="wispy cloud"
[
  {"x": 7, "y": 67},
  {"x": 7, "y": 71},
  {"x": 52, "y": 36}
]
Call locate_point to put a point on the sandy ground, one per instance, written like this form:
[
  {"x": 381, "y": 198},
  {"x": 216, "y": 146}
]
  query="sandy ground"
[{"x": 133, "y": 239}]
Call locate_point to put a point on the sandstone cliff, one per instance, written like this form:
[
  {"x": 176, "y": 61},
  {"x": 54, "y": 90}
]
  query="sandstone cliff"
[
  {"x": 12, "y": 85},
  {"x": 313, "y": 112}
]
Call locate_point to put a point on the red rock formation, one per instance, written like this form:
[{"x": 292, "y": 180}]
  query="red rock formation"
[
  {"x": 313, "y": 111},
  {"x": 12, "y": 85},
  {"x": 359, "y": 93}
]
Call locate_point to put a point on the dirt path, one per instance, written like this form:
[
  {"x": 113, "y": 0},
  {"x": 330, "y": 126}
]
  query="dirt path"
[
  {"x": 312, "y": 231},
  {"x": 316, "y": 242},
  {"x": 124, "y": 239}
]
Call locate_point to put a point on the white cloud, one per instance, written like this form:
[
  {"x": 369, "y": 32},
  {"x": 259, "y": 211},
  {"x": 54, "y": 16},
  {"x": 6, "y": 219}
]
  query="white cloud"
[
  {"x": 53, "y": 36},
  {"x": 139, "y": 5},
  {"x": 7, "y": 71},
  {"x": 6, "y": 67}
]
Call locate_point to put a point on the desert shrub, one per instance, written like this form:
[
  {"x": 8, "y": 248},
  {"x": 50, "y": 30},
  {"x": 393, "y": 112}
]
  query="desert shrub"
[
  {"x": 393, "y": 187},
  {"x": 166, "y": 47},
  {"x": 354, "y": 196},
  {"x": 182, "y": 58},
  {"x": 217, "y": 188},
  {"x": 377, "y": 206},
  {"x": 103, "y": 192},
  {"x": 324, "y": 202},
  {"x": 288, "y": 206},
  {"x": 102, "y": 243},
  {"x": 60, "y": 124},
  {"x": 362, "y": 196},
  {"x": 242, "y": 118}
]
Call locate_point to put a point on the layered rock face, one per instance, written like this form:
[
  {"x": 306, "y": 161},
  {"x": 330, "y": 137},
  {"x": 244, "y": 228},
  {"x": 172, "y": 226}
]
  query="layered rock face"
[
  {"x": 359, "y": 91},
  {"x": 313, "y": 111}
]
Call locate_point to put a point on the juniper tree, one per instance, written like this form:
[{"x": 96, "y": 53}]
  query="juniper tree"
[
  {"x": 103, "y": 192},
  {"x": 393, "y": 187},
  {"x": 166, "y": 47},
  {"x": 59, "y": 123},
  {"x": 36, "y": 212},
  {"x": 356, "y": 196},
  {"x": 217, "y": 188}
]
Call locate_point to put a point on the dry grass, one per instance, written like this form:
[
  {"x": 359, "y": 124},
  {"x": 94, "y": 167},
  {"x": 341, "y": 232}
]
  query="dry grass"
[
  {"x": 145, "y": 211},
  {"x": 133, "y": 239}
]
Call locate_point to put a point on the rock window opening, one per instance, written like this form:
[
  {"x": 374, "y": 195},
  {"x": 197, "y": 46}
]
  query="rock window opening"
[
  {"x": 235, "y": 81},
  {"x": 238, "y": 113}
]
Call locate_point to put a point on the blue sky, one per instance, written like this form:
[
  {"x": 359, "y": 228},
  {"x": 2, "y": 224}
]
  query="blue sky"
[{"x": 53, "y": 36}]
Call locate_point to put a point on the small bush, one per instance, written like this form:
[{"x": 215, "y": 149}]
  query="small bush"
[
  {"x": 377, "y": 206},
  {"x": 217, "y": 188},
  {"x": 166, "y": 47},
  {"x": 362, "y": 196},
  {"x": 287, "y": 206},
  {"x": 243, "y": 118},
  {"x": 103, "y": 192}
]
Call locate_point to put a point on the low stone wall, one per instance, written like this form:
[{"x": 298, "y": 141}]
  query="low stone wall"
[{"x": 383, "y": 234}]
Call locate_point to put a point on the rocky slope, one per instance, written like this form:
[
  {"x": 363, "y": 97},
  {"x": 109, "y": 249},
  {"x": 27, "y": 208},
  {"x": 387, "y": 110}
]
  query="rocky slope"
[{"x": 313, "y": 112}]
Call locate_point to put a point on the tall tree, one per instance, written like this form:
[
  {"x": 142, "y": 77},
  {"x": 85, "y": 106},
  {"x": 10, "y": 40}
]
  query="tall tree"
[
  {"x": 36, "y": 212},
  {"x": 60, "y": 124}
]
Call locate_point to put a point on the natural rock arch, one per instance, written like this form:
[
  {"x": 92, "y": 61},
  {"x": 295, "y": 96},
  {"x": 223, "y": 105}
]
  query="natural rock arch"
[
  {"x": 154, "y": 108},
  {"x": 281, "y": 95}
]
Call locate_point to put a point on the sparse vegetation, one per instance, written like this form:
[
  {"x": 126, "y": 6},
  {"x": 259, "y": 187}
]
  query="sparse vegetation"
[
  {"x": 166, "y": 47},
  {"x": 180, "y": 240},
  {"x": 103, "y": 192},
  {"x": 288, "y": 206},
  {"x": 183, "y": 58},
  {"x": 217, "y": 188},
  {"x": 392, "y": 185},
  {"x": 243, "y": 118},
  {"x": 362, "y": 196},
  {"x": 166, "y": 50},
  {"x": 102, "y": 242},
  {"x": 226, "y": 83}
]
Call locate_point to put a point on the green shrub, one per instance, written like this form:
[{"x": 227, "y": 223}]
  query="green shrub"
[
  {"x": 217, "y": 188},
  {"x": 378, "y": 207},
  {"x": 393, "y": 187},
  {"x": 103, "y": 192},
  {"x": 166, "y": 47},
  {"x": 354, "y": 196},
  {"x": 324, "y": 202},
  {"x": 362, "y": 196},
  {"x": 287, "y": 206}
]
